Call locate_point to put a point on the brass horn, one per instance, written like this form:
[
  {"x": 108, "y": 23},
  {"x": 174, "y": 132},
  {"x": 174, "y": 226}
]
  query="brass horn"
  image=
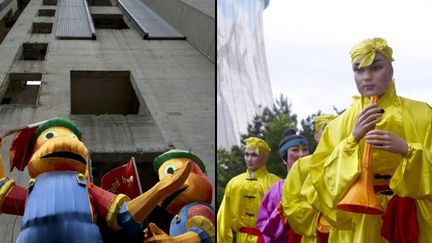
[{"x": 361, "y": 196}]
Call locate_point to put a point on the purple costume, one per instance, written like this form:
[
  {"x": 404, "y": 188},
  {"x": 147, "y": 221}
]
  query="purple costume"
[{"x": 269, "y": 222}]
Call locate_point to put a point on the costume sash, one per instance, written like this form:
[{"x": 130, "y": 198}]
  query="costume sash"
[
  {"x": 253, "y": 231},
  {"x": 400, "y": 221},
  {"x": 293, "y": 237},
  {"x": 322, "y": 237}
]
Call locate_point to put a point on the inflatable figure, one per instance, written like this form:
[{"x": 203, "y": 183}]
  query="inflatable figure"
[
  {"x": 60, "y": 202},
  {"x": 194, "y": 218}
]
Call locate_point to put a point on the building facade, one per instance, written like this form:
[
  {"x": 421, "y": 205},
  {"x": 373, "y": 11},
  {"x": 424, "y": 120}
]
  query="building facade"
[{"x": 131, "y": 86}]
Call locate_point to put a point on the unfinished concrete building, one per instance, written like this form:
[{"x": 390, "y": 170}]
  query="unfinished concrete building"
[{"x": 136, "y": 76}]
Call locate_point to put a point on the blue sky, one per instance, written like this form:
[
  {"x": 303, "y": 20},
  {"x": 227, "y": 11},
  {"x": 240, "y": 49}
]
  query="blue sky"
[{"x": 308, "y": 42}]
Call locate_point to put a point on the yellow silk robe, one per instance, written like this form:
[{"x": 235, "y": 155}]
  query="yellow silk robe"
[
  {"x": 301, "y": 216},
  {"x": 336, "y": 163},
  {"x": 240, "y": 204},
  {"x": 302, "y": 207}
]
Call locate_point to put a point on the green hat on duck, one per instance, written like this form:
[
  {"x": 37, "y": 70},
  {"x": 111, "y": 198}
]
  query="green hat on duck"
[{"x": 175, "y": 154}]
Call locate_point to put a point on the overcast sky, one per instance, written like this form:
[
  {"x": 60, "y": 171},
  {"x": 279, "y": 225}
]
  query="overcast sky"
[{"x": 308, "y": 42}]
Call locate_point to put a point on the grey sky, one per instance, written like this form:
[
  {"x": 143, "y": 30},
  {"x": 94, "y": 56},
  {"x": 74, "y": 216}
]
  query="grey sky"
[{"x": 308, "y": 42}]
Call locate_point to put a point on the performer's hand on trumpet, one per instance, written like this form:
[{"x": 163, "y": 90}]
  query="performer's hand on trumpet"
[
  {"x": 387, "y": 141},
  {"x": 366, "y": 121}
]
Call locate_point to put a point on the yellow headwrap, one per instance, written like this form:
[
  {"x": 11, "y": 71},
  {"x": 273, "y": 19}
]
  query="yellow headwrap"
[
  {"x": 256, "y": 144},
  {"x": 366, "y": 50},
  {"x": 323, "y": 120}
]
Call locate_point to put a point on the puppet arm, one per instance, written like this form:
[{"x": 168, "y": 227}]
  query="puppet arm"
[
  {"x": 121, "y": 212},
  {"x": 12, "y": 197}
]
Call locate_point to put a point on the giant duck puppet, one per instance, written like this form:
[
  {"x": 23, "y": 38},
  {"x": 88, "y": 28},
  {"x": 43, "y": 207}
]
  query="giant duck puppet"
[
  {"x": 59, "y": 203},
  {"x": 194, "y": 217}
]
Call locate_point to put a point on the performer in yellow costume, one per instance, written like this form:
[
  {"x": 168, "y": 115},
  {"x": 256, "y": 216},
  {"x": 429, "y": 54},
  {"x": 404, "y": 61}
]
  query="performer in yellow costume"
[
  {"x": 302, "y": 216},
  {"x": 401, "y": 152},
  {"x": 243, "y": 195}
]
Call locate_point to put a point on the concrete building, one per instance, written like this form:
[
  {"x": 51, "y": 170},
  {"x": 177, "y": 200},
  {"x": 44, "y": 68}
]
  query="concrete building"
[
  {"x": 132, "y": 86},
  {"x": 243, "y": 83}
]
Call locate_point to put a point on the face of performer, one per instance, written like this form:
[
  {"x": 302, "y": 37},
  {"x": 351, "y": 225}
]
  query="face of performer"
[
  {"x": 296, "y": 152},
  {"x": 375, "y": 79},
  {"x": 253, "y": 160}
]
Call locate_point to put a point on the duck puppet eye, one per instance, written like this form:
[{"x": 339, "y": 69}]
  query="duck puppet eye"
[
  {"x": 49, "y": 134},
  {"x": 170, "y": 169}
]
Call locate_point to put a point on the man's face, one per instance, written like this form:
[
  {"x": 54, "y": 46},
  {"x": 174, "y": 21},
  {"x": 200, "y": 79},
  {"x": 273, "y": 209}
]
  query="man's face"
[
  {"x": 296, "y": 152},
  {"x": 375, "y": 79},
  {"x": 253, "y": 160}
]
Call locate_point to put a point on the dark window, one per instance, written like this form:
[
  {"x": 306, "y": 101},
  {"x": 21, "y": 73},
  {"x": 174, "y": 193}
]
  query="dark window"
[
  {"x": 109, "y": 21},
  {"x": 46, "y": 12},
  {"x": 23, "y": 89},
  {"x": 99, "y": 2},
  {"x": 103, "y": 92},
  {"x": 6, "y": 24},
  {"x": 50, "y": 2},
  {"x": 34, "y": 51},
  {"x": 42, "y": 28}
]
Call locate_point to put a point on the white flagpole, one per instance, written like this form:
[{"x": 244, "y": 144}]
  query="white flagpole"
[
  {"x": 14, "y": 130},
  {"x": 137, "y": 175}
]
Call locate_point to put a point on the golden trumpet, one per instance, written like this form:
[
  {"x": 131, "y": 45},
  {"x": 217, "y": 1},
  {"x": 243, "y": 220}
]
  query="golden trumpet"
[{"x": 361, "y": 196}]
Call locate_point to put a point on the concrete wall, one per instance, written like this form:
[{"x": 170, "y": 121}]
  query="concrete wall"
[
  {"x": 193, "y": 18},
  {"x": 174, "y": 81},
  {"x": 6, "y": 5}
]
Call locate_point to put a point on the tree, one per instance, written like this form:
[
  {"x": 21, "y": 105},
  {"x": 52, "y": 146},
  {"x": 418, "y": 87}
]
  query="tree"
[
  {"x": 308, "y": 130},
  {"x": 261, "y": 121},
  {"x": 229, "y": 164},
  {"x": 273, "y": 135}
]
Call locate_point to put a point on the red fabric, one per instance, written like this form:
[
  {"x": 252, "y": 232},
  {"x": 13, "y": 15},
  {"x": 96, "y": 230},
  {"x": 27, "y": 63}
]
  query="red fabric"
[
  {"x": 400, "y": 223},
  {"x": 122, "y": 180},
  {"x": 322, "y": 237},
  {"x": 380, "y": 188},
  {"x": 20, "y": 152},
  {"x": 201, "y": 210},
  {"x": 100, "y": 199},
  {"x": 14, "y": 202},
  {"x": 293, "y": 237},
  {"x": 253, "y": 231}
]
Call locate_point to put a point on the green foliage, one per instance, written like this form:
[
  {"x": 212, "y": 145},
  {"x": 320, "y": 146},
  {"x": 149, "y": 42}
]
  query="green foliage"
[
  {"x": 308, "y": 130},
  {"x": 273, "y": 135},
  {"x": 229, "y": 164}
]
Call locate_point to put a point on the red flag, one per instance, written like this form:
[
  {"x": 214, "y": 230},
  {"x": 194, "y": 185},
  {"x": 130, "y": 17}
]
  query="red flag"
[
  {"x": 20, "y": 152},
  {"x": 123, "y": 179}
]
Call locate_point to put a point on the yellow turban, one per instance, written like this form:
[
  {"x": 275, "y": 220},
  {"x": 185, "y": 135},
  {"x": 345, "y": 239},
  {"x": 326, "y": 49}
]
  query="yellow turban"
[
  {"x": 366, "y": 50},
  {"x": 323, "y": 120},
  {"x": 256, "y": 144}
]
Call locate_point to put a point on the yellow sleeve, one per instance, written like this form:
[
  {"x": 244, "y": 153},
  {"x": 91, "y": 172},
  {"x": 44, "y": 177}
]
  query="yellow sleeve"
[
  {"x": 301, "y": 216},
  {"x": 334, "y": 167},
  {"x": 412, "y": 176},
  {"x": 224, "y": 218},
  {"x": 337, "y": 218}
]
